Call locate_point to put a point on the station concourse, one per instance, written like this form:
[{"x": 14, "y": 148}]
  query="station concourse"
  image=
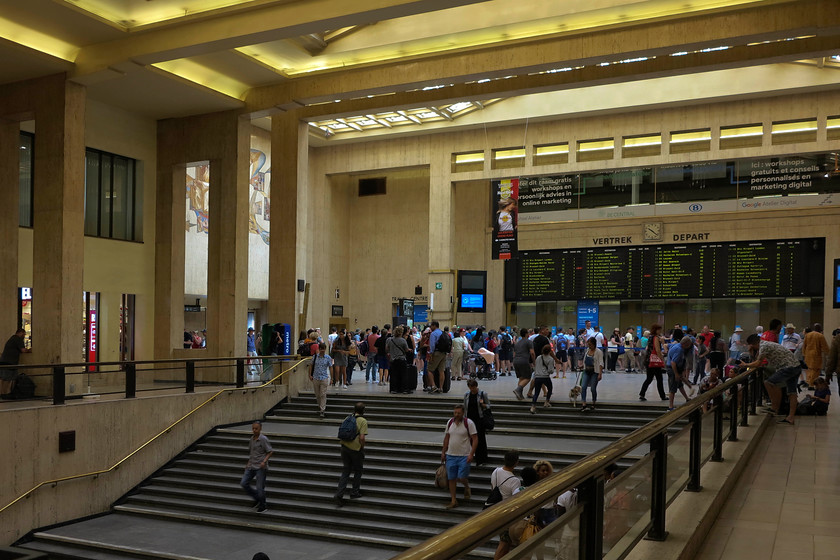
[{"x": 658, "y": 161}]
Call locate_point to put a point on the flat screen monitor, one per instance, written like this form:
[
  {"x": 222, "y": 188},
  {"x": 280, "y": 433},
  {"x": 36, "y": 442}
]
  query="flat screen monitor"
[{"x": 472, "y": 301}]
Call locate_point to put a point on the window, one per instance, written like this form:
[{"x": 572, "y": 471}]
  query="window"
[
  {"x": 508, "y": 158},
  {"x": 27, "y": 162},
  {"x": 551, "y": 154},
  {"x": 111, "y": 196},
  {"x": 468, "y": 161}
]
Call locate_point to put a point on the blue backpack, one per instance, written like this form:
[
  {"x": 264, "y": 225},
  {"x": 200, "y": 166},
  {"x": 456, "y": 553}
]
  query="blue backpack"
[{"x": 348, "y": 430}]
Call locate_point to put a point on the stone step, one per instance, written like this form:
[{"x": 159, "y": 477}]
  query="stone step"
[{"x": 399, "y": 509}]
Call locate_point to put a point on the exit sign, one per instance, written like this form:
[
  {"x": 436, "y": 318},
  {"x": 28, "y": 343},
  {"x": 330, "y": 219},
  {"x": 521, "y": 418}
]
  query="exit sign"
[{"x": 438, "y": 285}]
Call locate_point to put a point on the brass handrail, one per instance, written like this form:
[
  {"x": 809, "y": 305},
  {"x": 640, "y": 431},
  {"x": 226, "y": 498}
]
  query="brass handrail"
[
  {"x": 480, "y": 528},
  {"x": 150, "y": 441},
  {"x": 166, "y": 361}
]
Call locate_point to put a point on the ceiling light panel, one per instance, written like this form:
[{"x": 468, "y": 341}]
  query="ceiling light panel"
[{"x": 136, "y": 13}]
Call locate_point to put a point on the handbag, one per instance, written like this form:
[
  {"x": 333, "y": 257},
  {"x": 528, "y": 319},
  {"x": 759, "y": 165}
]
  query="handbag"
[
  {"x": 530, "y": 530},
  {"x": 655, "y": 361},
  {"x": 523, "y": 530},
  {"x": 487, "y": 420},
  {"x": 441, "y": 478}
]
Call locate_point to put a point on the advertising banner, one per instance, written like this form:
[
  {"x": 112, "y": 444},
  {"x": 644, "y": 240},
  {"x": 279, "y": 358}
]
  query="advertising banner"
[{"x": 505, "y": 199}]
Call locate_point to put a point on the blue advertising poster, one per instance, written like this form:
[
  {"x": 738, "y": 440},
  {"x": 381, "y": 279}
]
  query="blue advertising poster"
[
  {"x": 421, "y": 313},
  {"x": 587, "y": 310}
]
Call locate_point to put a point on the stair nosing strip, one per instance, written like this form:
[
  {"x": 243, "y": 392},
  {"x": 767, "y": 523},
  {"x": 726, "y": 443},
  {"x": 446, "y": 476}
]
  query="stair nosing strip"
[{"x": 114, "y": 547}]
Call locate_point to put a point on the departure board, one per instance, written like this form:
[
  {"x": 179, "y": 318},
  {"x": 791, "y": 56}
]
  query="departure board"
[{"x": 780, "y": 268}]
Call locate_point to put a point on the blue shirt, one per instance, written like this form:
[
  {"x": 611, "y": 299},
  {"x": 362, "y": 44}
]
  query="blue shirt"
[
  {"x": 676, "y": 356},
  {"x": 435, "y": 336},
  {"x": 321, "y": 367},
  {"x": 251, "y": 346}
]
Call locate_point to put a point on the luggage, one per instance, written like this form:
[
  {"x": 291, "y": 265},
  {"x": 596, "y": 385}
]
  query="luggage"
[
  {"x": 397, "y": 376},
  {"x": 409, "y": 384},
  {"x": 447, "y": 380}
]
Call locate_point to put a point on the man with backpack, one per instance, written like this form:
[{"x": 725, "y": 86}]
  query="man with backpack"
[
  {"x": 352, "y": 434},
  {"x": 440, "y": 344},
  {"x": 459, "y": 445}
]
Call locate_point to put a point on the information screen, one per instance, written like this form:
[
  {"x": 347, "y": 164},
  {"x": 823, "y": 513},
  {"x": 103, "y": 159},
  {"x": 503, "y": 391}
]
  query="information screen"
[
  {"x": 472, "y": 300},
  {"x": 781, "y": 268}
]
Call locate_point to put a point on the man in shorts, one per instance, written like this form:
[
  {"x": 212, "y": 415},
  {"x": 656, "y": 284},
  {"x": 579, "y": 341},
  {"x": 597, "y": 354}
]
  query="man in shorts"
[
  {"x": 459, "y": 445},
  {"x": 787, "y": 372},
  {"x": 678, "y": 368}
]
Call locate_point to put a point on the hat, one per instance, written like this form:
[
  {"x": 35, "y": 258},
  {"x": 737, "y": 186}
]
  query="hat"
[
  {"x": 738, "y": 329},
  {"x": 790, "y": 326},
  {"x": 250, "y": 329}
]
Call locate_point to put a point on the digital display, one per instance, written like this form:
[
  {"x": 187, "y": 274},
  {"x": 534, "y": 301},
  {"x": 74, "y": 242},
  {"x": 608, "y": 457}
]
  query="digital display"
[
  {"x": 472, "y": 301},
  {"x": 781, "y": 268}
]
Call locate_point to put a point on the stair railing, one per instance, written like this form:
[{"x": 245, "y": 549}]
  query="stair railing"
[
  {"x": 605, "y": 519},
  {"x": 58, "y": 372}
]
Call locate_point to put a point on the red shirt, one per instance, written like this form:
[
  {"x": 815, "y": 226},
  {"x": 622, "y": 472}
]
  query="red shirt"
[
  {"x": 371, "y": 340},
  {"x": 769, "y": 336},
  {"x": 706, "y": 337}
]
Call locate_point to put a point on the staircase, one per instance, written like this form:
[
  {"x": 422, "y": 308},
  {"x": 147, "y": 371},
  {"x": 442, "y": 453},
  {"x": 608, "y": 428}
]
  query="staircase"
[{"x": 194, "y": 508}]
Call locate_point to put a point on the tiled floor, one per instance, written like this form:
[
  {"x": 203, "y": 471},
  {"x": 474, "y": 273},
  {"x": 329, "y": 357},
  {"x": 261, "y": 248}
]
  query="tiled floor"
[{"x": 787, "y": 503}]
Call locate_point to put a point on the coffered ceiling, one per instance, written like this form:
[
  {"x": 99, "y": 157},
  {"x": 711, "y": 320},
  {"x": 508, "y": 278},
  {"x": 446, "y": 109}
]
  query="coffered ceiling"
[{"x": 356, "y": 61}]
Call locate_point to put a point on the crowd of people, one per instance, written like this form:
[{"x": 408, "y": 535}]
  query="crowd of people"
[{"x": 689, "y": 362}]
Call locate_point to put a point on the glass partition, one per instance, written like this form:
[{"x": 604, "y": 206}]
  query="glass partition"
[
  {"x": 627, "y": 508},
  {"x": 678, "y": 455},
  {"x": 559, "y": 540}
]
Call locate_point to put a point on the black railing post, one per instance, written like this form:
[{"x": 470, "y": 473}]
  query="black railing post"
[
  {"x": 130, "y": 380},
  {"x": 58, "y": 385},
  {"x": 743, "y": 408},
  {"x": 240, "y": 372},
  {"x": 658, "y": 488},
  {"x": 591, "y": 492},
  {"x": 753, "y": 393},
  {"x": 190, "y": 376},
  {"x": 694, "y": 451},
  {"x": 733, "y": 413},
  {"x": 717, "y": 453}
]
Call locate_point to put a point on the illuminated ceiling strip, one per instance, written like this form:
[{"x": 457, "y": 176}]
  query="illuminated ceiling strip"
[{"x": 16, "y": 33}]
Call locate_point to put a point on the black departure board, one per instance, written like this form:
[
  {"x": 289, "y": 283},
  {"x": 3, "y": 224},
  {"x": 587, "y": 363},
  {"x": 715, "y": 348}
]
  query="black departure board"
[{"x": 780, "y": 268}]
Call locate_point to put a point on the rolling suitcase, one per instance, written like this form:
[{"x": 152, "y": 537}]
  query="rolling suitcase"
[
  {"x": 409, "y": 384},
  {"x": 397, "y": 377}
]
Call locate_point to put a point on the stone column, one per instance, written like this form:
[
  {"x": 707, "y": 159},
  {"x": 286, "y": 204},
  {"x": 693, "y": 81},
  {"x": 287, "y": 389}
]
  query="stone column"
[
  {"x": 440, "y": 235},
  {"x": 289, "y": 201},
  {"x": 58, "y": 237},
  {"x": 170, "y": 212},
  {"x": 9, "y": 219},
  {"x": 227, "y": 258}
]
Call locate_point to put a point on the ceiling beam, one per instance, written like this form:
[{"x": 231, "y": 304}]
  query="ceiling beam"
[
  {"x": 736, "y": 57},
  {"x": 658, "y": 38},
  {"x": 248, "y": 26}
]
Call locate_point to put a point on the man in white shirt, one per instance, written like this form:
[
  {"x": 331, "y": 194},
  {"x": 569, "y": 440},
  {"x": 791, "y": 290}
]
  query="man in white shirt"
[
  {"x": 508, "y": 483},
  {"x": 459, "y": 445}
]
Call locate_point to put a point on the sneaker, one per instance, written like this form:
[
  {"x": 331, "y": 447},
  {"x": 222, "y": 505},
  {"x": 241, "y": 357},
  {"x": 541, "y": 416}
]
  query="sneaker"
[
  {"x": 584, "y": 408},
  {"x": 518, "y": 393},
  {"x": 533, "y": 410},
  {"x": 547, "y": 404},
  {"x": 262, "y": 508},
  {"x": 591, "y": 407},
  {"x": 344, "y": 386},
  {"x": 321, "y": 415},
  {"x": 642, "y": 399},
  {"x": 355, "y": 495}
]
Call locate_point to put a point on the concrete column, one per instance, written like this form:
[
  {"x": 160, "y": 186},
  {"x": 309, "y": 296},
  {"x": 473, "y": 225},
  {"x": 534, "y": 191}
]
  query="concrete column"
[
  {"x": 10, "y": 194},
  {"x": 289, "y": 204},
  {"x": 441, "y": 227},
  {"x": 227, "y": 259},
  {"x": 170, "y": 209},
  {"x": 58, "y": 242}
]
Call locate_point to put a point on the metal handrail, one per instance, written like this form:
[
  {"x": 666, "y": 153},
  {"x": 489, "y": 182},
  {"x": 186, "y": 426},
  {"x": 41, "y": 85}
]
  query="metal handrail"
[
  {"x": 483, "y": 526},
  {"x": 150, "y": 441},
  {"x": 166, "y": 361}
]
